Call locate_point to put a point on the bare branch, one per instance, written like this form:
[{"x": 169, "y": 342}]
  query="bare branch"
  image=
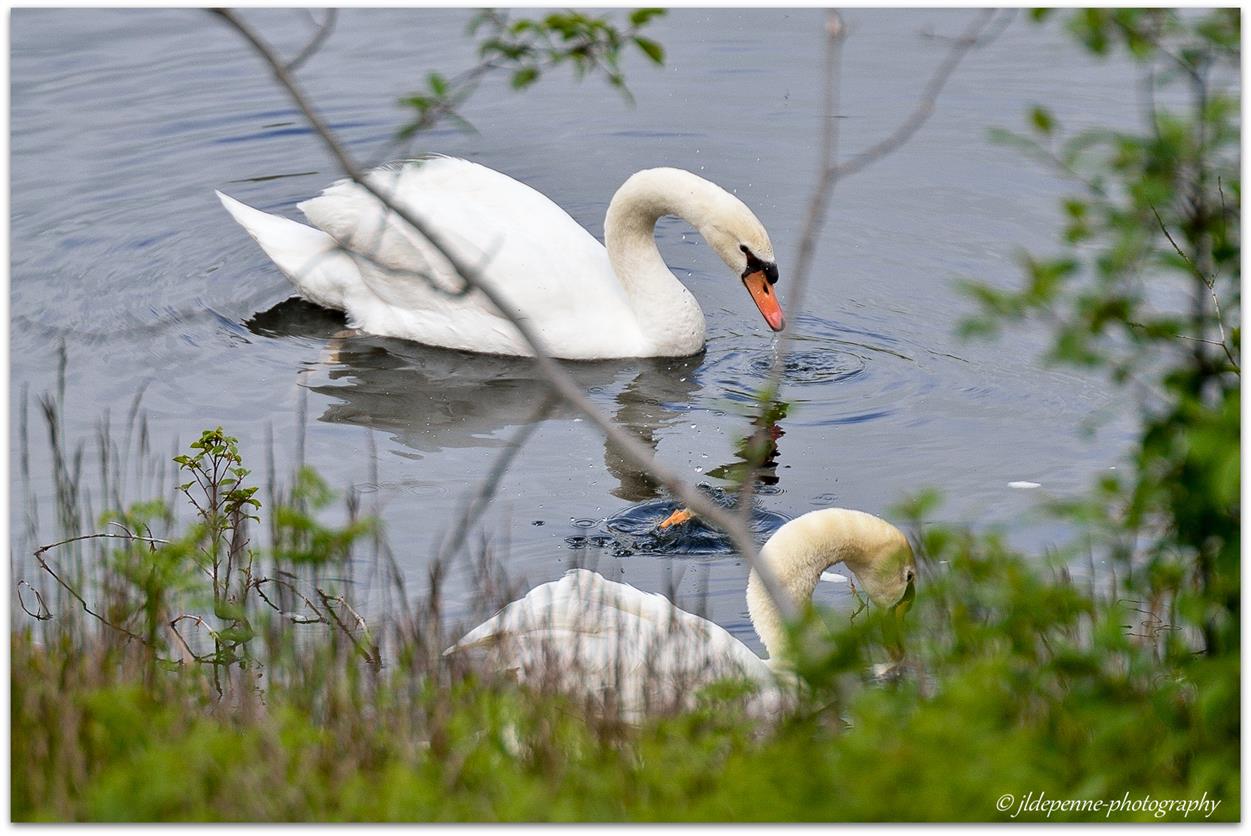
[
  {"x": 971, "y": 38},
  {"x": 319, "y": 38},
  {"x": 295, "y": 618},
  {"x": 1004, "y": 20},
  {"x": 370, "y": 653},
  {"x": 42, "y": 550},
  {"x": 557, "y": 378},
  {"x": 1208, "y": 282},
  {"x": 173, "y": 626},
  {"x": 1198, "y": 273},
  {"x": 43, "y": 613}
]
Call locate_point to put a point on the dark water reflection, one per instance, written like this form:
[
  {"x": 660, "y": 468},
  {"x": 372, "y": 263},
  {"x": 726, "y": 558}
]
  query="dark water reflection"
[{"x": 433, "y": 399}]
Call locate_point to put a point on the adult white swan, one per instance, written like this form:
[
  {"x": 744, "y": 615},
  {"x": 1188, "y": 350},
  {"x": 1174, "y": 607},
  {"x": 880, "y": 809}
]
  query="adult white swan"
[
  {"x": 634, "y": 650},
  {"x": 587, "y": 301}
]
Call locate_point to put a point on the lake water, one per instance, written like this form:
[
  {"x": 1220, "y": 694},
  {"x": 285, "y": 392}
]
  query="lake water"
[{"x": 125, "y": 121}]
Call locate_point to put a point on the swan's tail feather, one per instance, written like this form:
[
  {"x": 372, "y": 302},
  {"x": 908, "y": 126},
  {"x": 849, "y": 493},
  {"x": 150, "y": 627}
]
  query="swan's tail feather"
[{"x": 311, "y": 259}]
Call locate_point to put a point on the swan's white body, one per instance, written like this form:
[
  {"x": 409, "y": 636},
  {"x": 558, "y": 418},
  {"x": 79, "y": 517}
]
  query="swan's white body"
[
  {"x": 620, "y": 647},
  {"x": 585, "y": 301},
  {"x": 635, "y": 651}
]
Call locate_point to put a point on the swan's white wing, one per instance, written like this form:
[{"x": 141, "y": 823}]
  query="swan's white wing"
[
  {"x": 541, "y": 261},
  {"x": 312, "y": 259},
  {"x": 608, "y": 640}
]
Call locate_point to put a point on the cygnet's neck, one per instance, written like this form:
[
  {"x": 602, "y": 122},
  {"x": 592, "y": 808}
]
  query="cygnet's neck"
[
  {"x": 667, "y": 312},
  {"x": 798, "y": 553}
]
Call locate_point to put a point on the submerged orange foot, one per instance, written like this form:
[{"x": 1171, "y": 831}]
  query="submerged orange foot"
[{"x": 676, "y": 518}]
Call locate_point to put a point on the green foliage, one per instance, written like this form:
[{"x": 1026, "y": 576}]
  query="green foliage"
[
  {"x": 525, "y": 48},
  {"x": 217, "y": 470},
  {"x": 1157, "y": 220},
  {"x": 299, "y": 539}
]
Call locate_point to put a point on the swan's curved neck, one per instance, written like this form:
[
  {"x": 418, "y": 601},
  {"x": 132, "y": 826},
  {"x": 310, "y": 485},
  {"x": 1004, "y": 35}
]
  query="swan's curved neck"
[
  {"x": 661, "y": 303},
  {"x": 798, "y": 553}
]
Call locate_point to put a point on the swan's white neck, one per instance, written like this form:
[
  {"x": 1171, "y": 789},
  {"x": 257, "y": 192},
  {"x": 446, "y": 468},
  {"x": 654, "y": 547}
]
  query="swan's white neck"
[
  {"x": 801, "y": 550},
  {"x": 667, "y": 312}
]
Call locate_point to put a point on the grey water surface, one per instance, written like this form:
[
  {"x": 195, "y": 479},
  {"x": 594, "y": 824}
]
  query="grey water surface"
[{"x": 124, "y": 122}]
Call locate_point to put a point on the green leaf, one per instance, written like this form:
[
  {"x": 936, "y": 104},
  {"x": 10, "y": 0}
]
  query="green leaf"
[
  {"x": 525, "y": 77},
  {"x": 235, "y": 634},
  {"x": 652, "y": 49},
  {"x": 640, "y": 17},
  {"x": 1042, "y": 120}
]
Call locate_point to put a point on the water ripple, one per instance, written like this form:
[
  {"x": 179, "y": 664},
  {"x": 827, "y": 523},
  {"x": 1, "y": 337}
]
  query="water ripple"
[{"x": 835, "y": 374}]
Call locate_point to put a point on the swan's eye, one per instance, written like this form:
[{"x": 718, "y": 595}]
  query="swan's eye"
[
  {"x": 756, "y": 265},
  {"x": 908, "y": 575}
]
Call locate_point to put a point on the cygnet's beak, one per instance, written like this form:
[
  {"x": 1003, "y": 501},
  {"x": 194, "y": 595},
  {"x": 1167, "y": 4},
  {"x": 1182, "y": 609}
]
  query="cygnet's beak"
[{"x": 766, "y": 299}]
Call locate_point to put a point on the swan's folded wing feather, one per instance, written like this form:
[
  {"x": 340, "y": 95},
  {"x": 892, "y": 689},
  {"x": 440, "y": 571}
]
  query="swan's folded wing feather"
[
  {"x": 595, "y": 636},
  {"x": 512, "y": 233},
  {"x": 543, "y": 264}
]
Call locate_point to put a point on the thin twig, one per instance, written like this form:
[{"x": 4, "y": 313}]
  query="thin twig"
[
  {"x": 295, "y": 618},
  {"x": 44, "y": 614},
  {"x": 316, "y": 42},
  {"x": 929, "y": 97},
  {"x": 42, "y": 550},
  {"x": 173, "y": 626},
  {"x": 1206, "y": 281},
  {"x": 1209, "y": 283},
  {"x": 370, "y": 654}
]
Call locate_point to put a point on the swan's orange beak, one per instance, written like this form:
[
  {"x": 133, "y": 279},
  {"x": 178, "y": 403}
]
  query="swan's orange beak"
[{"x": 766, "y": 299}]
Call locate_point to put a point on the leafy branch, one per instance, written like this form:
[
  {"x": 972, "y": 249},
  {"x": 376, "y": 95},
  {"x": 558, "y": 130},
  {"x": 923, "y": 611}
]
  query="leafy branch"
[{"x": 525, "y": 48}]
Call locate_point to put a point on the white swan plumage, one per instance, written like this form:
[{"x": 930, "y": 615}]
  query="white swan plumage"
[
  {"x": 636, "y": 651},
  {"x": 585, "y": 300}
]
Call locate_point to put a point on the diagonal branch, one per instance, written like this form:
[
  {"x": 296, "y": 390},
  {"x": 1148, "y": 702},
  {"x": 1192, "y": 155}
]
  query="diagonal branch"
[
  {"x": 971, "y": 38},
  {"x": 1208, "y": 282},
  {"x": 323, "y": 32},
  {"x": 42, "y": 550}
]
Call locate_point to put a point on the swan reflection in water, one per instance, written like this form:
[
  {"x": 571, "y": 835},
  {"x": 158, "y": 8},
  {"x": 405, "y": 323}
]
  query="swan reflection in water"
[{"x": 431, "y": 399}]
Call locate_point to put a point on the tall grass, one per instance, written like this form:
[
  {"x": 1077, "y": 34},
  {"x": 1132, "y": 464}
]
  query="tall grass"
[{"x": 226, "y": 654}]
